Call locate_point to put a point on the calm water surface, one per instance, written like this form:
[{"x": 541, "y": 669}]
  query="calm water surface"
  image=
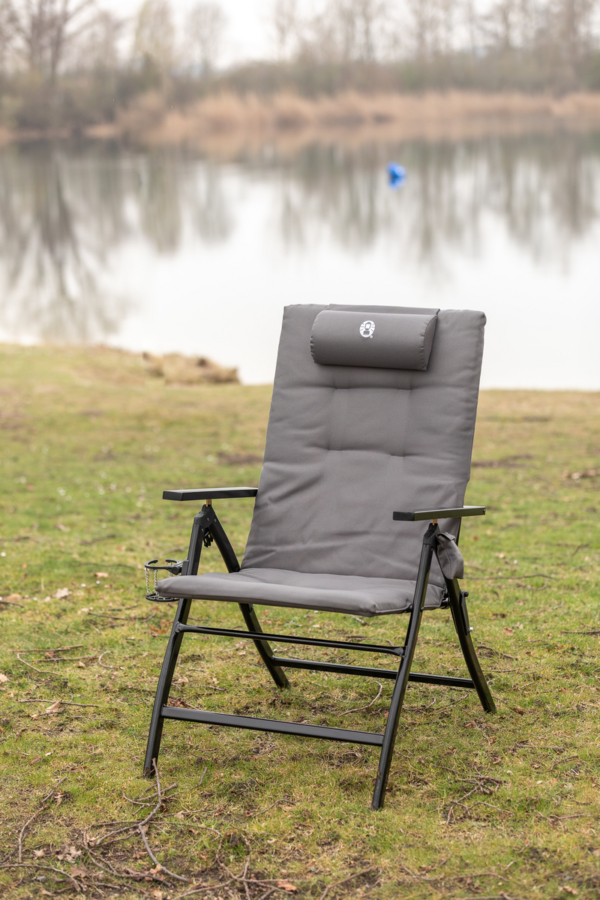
[{"x": 166, "y": 252}]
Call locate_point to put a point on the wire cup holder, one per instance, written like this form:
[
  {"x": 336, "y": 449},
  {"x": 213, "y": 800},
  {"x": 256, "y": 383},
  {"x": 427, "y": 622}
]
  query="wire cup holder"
[{"x": 174, "y": 568}]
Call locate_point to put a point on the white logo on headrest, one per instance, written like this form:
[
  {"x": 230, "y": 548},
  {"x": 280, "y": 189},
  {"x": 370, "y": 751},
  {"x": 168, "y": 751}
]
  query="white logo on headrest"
[{"x": 367, "y": 328}]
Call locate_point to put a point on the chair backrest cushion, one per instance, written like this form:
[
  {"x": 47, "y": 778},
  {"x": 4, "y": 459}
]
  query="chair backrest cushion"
[{"x": 348, "y": 445}]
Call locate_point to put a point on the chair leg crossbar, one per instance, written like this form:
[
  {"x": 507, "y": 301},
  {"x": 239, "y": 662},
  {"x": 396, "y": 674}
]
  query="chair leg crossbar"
[{"x": 206, "y": 527}]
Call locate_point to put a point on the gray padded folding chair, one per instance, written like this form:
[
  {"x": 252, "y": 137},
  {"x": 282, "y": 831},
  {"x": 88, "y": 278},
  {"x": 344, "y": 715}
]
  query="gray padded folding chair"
[{"x": 370, "y": 434}]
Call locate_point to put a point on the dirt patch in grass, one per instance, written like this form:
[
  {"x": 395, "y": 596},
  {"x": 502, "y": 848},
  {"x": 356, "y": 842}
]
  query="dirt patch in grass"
[{"x": 478, "y": 806}]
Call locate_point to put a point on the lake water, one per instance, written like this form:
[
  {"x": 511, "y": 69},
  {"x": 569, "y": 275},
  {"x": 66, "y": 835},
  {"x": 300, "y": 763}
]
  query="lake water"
[{"x": 165, "y": 251}]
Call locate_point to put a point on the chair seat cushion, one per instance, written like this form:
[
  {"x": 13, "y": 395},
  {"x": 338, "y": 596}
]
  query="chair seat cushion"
[{"x": 350, "y": 594}]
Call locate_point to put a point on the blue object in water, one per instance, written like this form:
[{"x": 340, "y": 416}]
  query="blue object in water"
[{"x": 396, "y": 175}]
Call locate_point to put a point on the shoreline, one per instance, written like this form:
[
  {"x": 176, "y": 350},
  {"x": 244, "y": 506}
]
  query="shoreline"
[{"x": 287, "y": 118}]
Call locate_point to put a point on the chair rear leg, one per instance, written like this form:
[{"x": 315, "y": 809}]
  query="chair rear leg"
[
  {"x": 458, "y": 608},
  {"x": 164, "y": 687},
  {"x": 412, "y": 634},
  {"x": 263, "y": 647},
  {"x": 250, "y": 618}
]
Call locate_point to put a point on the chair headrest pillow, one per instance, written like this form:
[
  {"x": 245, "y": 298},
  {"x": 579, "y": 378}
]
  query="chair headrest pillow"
[{"x": 374, "y": 340}]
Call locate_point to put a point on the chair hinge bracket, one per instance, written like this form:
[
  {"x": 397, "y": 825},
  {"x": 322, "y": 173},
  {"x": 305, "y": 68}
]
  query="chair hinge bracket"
[{"x": 464, "y": 612}]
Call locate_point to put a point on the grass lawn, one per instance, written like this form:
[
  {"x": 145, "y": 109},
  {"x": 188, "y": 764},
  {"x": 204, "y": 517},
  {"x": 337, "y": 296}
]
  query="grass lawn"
[{"x": 479, "y": 806}]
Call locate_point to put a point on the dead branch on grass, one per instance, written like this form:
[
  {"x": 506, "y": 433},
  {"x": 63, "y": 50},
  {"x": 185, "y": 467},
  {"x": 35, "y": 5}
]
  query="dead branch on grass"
[
  {"x": 559, "y": 761},
  {"x": 595, "y": 631},
  {"x": 160, "y": 866},
  {"x": 132, "y": 825},
  {"x": 344, "y": 880},
  {"x": 73, "y": 881},
  {"x": 49, "y": 649},
  {"x": 63, "y": 702},
  {"x": 207, "y": 887},
  {"x": 483, "y": 784},
  {"x": 360, "y": 708},
  {"x": 41, "y": 671}
]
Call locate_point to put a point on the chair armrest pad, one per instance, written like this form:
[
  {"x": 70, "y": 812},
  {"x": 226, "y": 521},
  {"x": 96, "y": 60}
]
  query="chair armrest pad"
[
  {"x": 420, "y": 515},
  {"x": 222, "y": 493}
]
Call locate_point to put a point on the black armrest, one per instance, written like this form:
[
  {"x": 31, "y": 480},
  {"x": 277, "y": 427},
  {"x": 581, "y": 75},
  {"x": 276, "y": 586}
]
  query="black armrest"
[
  {"x": 423, "y": 514},
  {"x": 223, "y": 493}
]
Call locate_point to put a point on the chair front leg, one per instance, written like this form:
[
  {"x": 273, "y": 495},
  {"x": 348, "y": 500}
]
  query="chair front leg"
[
  {"x": 412, "y": 634},
  {"x": 199, "y": 528},
  {"x": 164, "y": 686}
]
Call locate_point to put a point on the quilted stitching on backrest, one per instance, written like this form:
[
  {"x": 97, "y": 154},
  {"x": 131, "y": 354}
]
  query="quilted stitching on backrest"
[{"x": 348, "y": 446}]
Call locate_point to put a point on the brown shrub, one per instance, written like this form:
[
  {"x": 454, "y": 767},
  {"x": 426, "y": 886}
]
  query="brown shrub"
[{"x": 178, "y": 369}]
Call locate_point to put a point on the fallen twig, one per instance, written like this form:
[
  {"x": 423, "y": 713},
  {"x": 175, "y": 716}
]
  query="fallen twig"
[
  {"x": 22, "y": 832},
  {"x": 497, "y": 652},
  {"x": 98, "y": 540},
  {"x": 360, "y": 708},
  {"x": 34, "y": 816},
  {"x": 41, "y": 671},
  {"x": 141, "y": 830},
  {"x": 75, "y": 883},
  {"x": 261, "y": 811},
  {"x": 560, "y": 818},
  {"x": 344, "y": 880},
  {"x": 509, "y": 577},
  {"x": 64, "y": 702},
  {"x": 49, "y": 649},
  {"x": 155, "y": 861},
  {"x": 206, "y": 887},
  {"x": 559, "y": 761},
  {"x": 479, "y": 787},
  {"x": 100, "y": 663},
  {"x": 595, "y": 631},
  {"x": 62, "y": 658}
]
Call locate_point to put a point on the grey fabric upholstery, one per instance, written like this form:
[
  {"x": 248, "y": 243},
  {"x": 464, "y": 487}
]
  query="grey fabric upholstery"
[
  {"x": 449, "y": 556},
  {"x": 346, "y": 446},
  {"x": 275, "y": 587},
  {"x": 379, "y": 340}
]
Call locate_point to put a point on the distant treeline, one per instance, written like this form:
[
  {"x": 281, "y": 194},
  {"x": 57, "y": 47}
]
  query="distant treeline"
[{"x": 69, "y": 64}]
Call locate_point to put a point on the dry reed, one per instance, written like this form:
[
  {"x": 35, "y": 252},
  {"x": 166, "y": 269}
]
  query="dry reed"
[{"x": 233, "y": 120}]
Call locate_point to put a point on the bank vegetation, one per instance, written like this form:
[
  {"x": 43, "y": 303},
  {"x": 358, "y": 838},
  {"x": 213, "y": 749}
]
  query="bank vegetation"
[{"x": 72, "y": 67}]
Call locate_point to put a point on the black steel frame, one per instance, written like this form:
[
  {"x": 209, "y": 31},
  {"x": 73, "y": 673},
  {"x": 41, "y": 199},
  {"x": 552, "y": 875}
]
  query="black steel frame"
[{"x": 206, "y": 529}]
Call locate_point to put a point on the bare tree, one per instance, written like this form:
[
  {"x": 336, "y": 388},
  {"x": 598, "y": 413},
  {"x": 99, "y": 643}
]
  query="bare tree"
[
  {"x": 573, "y": 22},
  {"x": 345, "y": 31},
  {"x": 44, "y": 30},
  {"x": 155, "y": 33},
  {"x": 99, "y": 48},
  {"x": 285, "y": 23},
  {"x": 206, "y": 25},
  {"x": 7, "y": 33},
  {"x": 424, "y": 27}
]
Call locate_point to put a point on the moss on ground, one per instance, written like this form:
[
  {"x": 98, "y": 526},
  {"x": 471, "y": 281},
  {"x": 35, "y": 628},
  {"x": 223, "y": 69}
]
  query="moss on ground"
[{"x": 479, "y": 806}]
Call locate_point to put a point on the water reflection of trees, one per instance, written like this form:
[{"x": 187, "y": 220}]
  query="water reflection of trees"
[
  {"x": 63, "y": 216},
  {"x": 57, "y": 225},
  {"x": 542, "y": 188},
  {"x": 64, "y": 212}
]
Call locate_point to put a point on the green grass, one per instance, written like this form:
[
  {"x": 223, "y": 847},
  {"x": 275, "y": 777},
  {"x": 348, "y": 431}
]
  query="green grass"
[{"x": 89, "y": 442}]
